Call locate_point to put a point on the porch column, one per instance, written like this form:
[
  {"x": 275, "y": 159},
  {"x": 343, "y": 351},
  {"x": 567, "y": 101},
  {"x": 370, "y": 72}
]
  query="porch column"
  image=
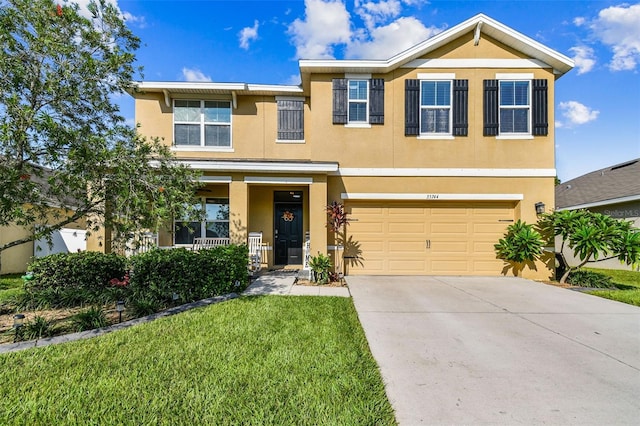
[
  {"x": 238, "y": 211},
  {"x": 317, "y": 215}
]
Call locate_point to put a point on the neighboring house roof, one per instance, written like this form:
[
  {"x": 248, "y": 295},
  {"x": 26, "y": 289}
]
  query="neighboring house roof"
[
  {"x": 538, "y": 56},
  {"x": 611, "y": 185}
]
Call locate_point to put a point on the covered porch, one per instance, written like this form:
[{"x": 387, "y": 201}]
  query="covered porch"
[{"x": 283, "y": 202}]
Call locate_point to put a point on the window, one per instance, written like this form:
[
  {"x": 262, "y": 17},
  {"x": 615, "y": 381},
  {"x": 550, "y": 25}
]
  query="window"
[
  {"x": 514, "y": 106},
  {"x": 215, "y": 225},
  {"x": 358, "y": 101},
  {"x": 290, "y": 119},
  {"x": 435, "y": 107},
  {"x": 202, "y": 123}
]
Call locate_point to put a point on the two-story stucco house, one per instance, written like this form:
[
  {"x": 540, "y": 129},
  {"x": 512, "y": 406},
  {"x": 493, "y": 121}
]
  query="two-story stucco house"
[{"x": 434, "y": 152}]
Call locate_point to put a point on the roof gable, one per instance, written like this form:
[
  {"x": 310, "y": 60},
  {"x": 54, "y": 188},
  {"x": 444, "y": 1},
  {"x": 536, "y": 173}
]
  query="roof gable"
[{"x": 480, "y": 24}]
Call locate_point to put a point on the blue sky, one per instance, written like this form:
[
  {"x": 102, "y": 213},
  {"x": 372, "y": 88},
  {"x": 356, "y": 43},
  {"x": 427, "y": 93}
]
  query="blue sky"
[{"x": 597, "y": 103}]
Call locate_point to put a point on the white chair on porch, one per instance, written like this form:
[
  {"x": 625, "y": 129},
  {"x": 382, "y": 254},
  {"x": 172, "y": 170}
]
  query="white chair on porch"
[{"x": 255, "y": 251}]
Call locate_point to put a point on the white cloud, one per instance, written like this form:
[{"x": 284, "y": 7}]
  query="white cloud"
[
  {"x": 293, "y": 80},
  {"x": 579, "y": 21},
  {"x": 584, "y": 58},
  {"x": 374, "y": 13},
  {"x": 194, "y": 75},
  {"x": 326, "y": 24},
  {"x": 128, "y": 17},
  {"x": 576, "y": 113},
  {"x": 619, "y": 27},
  {"x": 385, "y": 41},
  {"x": 248, "y": 34}
]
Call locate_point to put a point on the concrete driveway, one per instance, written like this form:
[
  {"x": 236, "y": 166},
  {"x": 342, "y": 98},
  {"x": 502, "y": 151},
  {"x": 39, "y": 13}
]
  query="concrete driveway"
[{"x": 480, "y": 350}]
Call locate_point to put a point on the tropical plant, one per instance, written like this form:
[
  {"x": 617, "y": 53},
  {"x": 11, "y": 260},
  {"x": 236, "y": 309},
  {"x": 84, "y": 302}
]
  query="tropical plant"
[
  {"x": 337, "y": 222},
  {"x": 593, "y": 237},
  {"x": 63, "y": 141},
  {"x": 320, "y": 267},
  {"x": 522, "y": 245}
]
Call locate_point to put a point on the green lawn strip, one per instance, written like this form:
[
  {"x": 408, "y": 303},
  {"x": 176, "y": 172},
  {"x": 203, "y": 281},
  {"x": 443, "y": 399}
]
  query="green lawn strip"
[
  {"x": 264, "y": 360},
  {"x": 628, "y": 283},
  {"x": 631, "y": 297},
  {"x": 10, "y": 286}
]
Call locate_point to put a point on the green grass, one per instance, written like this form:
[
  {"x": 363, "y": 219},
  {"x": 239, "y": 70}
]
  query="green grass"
[
  {"x": 10, "y": 286},
  {"x": 264, "y": 360},
  {"x": 627, "y": 282}
]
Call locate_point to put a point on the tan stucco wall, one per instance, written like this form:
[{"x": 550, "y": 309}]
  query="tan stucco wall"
[{"x": 254, "y": 126}]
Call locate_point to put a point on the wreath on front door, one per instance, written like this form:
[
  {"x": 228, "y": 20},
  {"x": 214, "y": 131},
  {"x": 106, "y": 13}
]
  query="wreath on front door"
[{"x": 287, "y": 216}]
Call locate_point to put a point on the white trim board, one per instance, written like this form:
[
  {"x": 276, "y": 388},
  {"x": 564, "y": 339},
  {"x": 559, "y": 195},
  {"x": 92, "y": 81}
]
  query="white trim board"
[
  {"x": 602, "y": 203},
  {"x": 429, "y": 197},
  {"x": 273, "y": 180},
  {"x": 444, "y": 172},
  {"x": 476, "y": 63},
  {"x": 258, "y": 166}
]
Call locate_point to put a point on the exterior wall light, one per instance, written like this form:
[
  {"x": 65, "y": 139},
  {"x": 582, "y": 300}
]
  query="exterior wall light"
[
  {"x": 540, "y": 207},
  {"x": 120, "y": 308},
  {"x": 18, "y": 322}
]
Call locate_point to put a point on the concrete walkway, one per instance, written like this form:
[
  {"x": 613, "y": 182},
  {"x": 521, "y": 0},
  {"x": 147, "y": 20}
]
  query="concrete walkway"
[
  {"x": 283, "y": 283},
  {"x": 500, "y": 350}
]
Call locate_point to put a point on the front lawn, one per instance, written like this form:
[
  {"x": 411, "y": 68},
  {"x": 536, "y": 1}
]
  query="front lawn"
[
  {"x": 262, "y": 360},
  {"x": 10, "y": 286},
  {"x": 627, "y": 282}
]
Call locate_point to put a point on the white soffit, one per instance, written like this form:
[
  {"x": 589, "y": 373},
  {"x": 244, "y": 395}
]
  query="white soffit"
[
  {"x": 392, "y": 196},
  {"x": 215, "y": 179},
  {"x": 424, "y": 172},
  {"x": 273, "y": 180},
  {"x": 260, "y": 166}
]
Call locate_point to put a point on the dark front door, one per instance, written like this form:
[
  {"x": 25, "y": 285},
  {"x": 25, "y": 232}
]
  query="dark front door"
[{"x": 288, "y": 233}]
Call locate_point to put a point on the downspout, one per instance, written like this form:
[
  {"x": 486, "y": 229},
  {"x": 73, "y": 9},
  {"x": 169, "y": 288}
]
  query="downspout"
[
  {"x": 476, "y": 36},
  {"x": 167, "y": 98}
]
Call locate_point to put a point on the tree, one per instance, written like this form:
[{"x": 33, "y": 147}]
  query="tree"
[
  {"x": 593, "y": 237},
  {"x": 521, "y": 246},
  {"x": 66, "y": 153}
]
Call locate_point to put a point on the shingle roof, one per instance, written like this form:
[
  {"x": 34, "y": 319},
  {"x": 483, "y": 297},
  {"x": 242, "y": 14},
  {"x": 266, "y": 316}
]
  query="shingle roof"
[{"x": 610, "y": 183}]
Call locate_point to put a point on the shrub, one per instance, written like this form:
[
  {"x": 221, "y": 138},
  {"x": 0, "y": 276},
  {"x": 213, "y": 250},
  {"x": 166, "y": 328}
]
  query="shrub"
[
  {"x": 320, "y": 266},
  {"x": 93, "y": 317},
  {"x": 158, "y": 274},
  {"x": 144, "y": 305},
  {"x": 584, "y": 278},
  {"x": 37, "y": 328},
  {"x": 72, "y": 279}
]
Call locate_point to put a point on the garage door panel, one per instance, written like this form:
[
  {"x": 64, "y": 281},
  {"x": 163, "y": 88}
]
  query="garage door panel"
[
  {"x": 406, "y": 265},
  {"x": 489, "y": 228},
  {"x": 447, "y": 267},
  {"x": 365, "y": 228},
  {"x": 448, "y": 247},
  {"x": 408, "y": 247},
  {"x": 406, "y": 228},
  {"x": 372, "y": 246},
  {"x": 449, "y": 228}
]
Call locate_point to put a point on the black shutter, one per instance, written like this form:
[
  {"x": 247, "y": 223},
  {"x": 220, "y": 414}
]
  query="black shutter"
[
  {"x": 376, "y": 101},
  {"x": 290, "y": 120},
  {"x": 540, "y": 108},
  {"x": 460, "y": 107},
  {"x": 411, "y": 107},
  {"x": 490, "y": 105},
  {"x": 340, "y": 101}
]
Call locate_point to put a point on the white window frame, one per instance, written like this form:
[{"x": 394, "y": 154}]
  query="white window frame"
[
  {"x": 364, "y": 122},
  {"x": 203, "y": 223},
  {"x": 506, "y": 78},
  {"x": 437, "y": 77},
  {"x": 203, "y": 124}
]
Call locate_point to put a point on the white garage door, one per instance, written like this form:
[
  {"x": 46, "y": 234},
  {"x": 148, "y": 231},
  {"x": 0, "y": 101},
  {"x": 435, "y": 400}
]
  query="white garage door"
[{"x": 404, "y": 238}]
